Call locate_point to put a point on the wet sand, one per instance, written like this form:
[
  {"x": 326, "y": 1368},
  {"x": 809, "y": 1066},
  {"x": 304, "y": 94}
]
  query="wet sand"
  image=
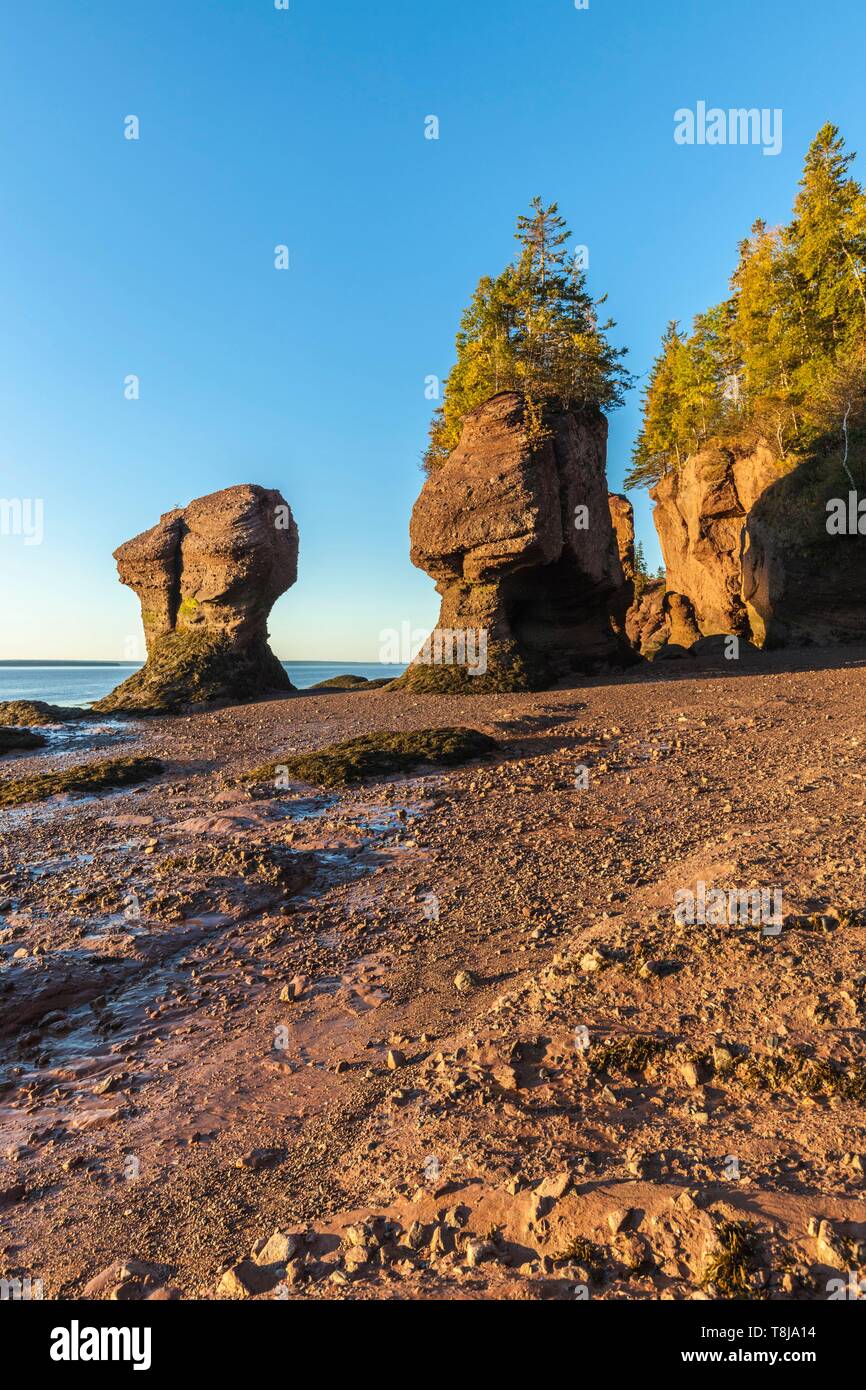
[{"x": 223, "y": 1013}]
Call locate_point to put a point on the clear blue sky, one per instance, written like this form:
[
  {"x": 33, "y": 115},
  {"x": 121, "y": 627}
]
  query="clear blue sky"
[{"x": 306, "y": 127}]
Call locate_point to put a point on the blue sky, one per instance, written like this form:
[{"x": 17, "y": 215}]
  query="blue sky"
[{"x": 305, "y": 127}]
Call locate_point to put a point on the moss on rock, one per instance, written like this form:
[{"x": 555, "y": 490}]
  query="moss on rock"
[
  {"x": 12, "y": 739},
  {"x": 190, "y": 668},
  {"x": 30, "y": 712},
  {"x": 379, "y": 755},
  {"x": 507, "y": 671},
  {"x": 87, "y": 777}
]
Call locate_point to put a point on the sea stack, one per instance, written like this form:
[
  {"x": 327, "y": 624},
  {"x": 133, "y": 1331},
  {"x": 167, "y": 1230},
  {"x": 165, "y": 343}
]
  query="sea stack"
[
  {"x": 516, "y": 531},
  {"x": 207, "y": 576}
]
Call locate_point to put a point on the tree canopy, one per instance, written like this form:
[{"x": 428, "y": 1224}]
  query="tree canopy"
[
  {"x": 786, "y": 351},
  {"x": 534, "y": 329}
]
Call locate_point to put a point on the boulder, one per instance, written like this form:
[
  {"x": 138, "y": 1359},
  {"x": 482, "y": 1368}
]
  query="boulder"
[
  {"x": 517, "y": 533},
  {"x": 207, "y": 576},
  {"x": 646, "y": 625}
]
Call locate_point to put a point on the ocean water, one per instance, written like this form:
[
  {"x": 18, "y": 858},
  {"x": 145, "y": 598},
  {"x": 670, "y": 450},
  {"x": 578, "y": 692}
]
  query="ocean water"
[{"x": 80, "y": 682}]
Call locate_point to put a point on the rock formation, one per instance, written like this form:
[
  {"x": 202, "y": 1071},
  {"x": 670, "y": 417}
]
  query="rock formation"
[
  {"x": 699, "y": 515},
  {"x": 207, "y": 576},
  {"x": 518, "y": 537},
  {"x": 656, "y": 617},
  {"x": 744, "y": 538},
  {"x": 622, "y": 517}
]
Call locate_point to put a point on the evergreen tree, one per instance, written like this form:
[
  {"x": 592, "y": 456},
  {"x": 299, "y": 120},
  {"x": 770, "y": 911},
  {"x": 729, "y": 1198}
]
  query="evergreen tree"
[
  {"x": 786, "y": 352},
  {"x": 532, "y": 329}
]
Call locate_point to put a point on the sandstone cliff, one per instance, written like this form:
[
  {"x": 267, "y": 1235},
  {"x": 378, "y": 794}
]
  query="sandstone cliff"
[
  {"x": 744, "y": 538},
  {"x": 518, "y": 537},
  {"x": 207, "y": 576}
]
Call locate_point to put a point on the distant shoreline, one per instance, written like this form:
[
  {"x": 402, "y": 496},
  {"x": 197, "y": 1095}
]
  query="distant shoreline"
[{"x": 73, "y": 661}]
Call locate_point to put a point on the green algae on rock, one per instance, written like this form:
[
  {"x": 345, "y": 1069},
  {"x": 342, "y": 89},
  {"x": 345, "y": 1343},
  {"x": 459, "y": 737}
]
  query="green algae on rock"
[
  {"x": 29, "y": 712},
  {"x": 352, "y": 682},
  {"x": 87, "y": 777},
  {"x": 12, "y": 739},
  {"x": 379, "y": 755},
  {"x": 508, "y": 671},
  {"x": 188, "y": 668}
]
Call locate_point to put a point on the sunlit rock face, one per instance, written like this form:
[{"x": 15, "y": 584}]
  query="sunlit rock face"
[
  {"x": 517, "y": 533},
  {"x": 207, "y": 576}
]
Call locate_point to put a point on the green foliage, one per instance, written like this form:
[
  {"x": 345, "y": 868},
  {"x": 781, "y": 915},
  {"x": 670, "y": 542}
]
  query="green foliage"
[
  {"x": 785, "y": 354},
  {"x": 533, "y": 329},
  {"x": 729, "y": 1265}
]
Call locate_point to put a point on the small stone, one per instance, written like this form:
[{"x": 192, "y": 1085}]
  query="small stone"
[
  {"x": 477, "y": 1251},
  {"x": 465, "y": 981},
  {"x": 256, "y": 1159},
  {"x": 833, "y": 1249},
  {"x": 395, "y": 1059},
  {"x": 415, "y": 1236},
  {"x": 294, "y": 990},
  {"x": 690, "y": 1073},
  {"x": 555, "y": 1187},
  {"x": 278, "y": 1249},
  {"x": 618, "y": 1220},
  {"x": 245, "y": 1279}
]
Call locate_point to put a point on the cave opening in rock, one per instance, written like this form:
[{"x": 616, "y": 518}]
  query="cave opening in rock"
[{"x": 553, "y": 612}]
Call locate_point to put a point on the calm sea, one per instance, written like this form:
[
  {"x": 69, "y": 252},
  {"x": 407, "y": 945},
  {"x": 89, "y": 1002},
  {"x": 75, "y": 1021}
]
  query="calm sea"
[{"x": 80, "y": 682}]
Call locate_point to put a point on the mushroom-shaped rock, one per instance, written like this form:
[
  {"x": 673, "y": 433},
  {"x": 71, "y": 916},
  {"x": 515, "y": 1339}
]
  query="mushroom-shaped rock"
[
  {"x": 515, "y": 528},
  {"x": 207, "y": 576}
]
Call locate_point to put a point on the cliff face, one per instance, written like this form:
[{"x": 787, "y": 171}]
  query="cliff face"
[
  {"x": 699, "y": 514},
  {"x": 519, "y": 540},
  {"x": 744, "y": 538},
  {"x": 207, "y": 576}
]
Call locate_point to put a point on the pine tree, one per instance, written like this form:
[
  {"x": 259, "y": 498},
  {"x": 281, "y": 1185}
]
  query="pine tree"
[
  {"x": 786, "y": 352},
  {"x": 532, "y": 329}
]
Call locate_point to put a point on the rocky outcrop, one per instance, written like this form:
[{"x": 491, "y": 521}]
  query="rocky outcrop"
[
  {"x": 656, "y": 617},
  {"x": 660, "y": 619},
  {"x": 622, "y": 517},
  {"x": 699, "y": 514},
  {"x": 646, "y": 623},
  {"x": 517, "y": 534},
  {"x": 745, "y": 539},
  {"x": 207, "y": 576}
]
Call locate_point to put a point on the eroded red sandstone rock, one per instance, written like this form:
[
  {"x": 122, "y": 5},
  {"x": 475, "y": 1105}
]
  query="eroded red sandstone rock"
[
  {"x": 518, "y": 537},
  {"x": 744, "y": 538},
  {"x": 207, "y": 576}
]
